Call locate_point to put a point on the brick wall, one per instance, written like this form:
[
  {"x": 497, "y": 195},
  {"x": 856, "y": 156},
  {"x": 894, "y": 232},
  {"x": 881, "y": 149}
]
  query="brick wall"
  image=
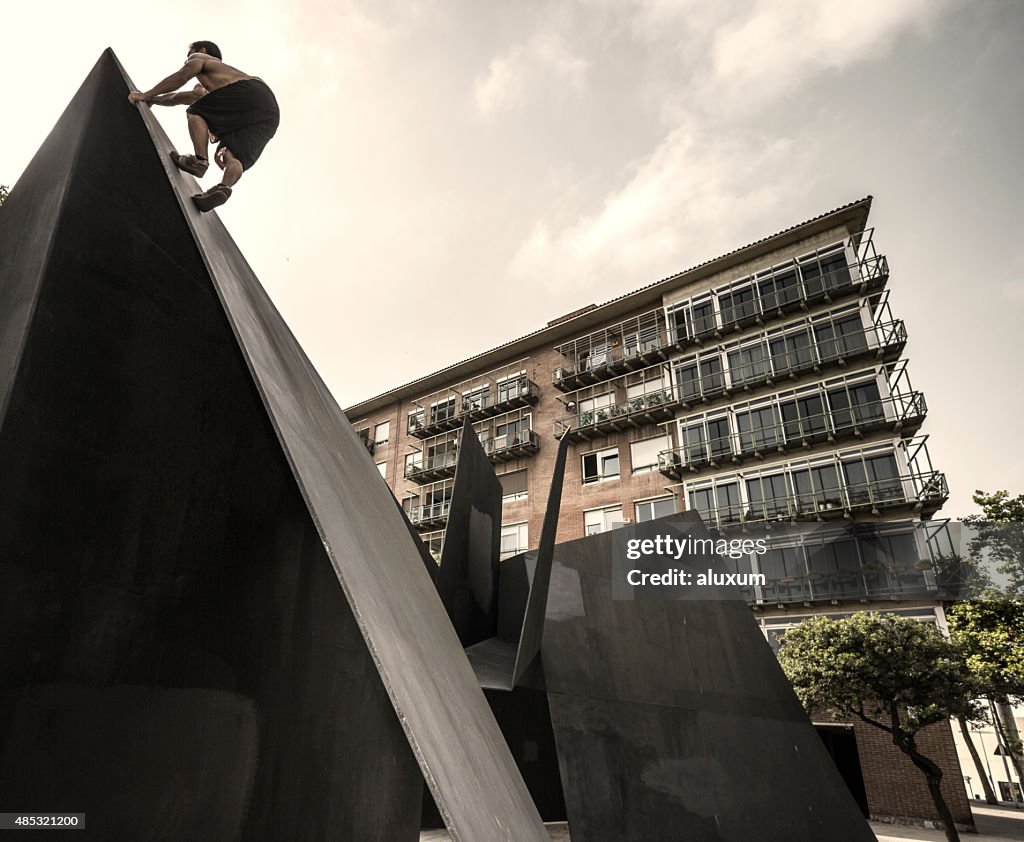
[{"x": 895, "y": 787}]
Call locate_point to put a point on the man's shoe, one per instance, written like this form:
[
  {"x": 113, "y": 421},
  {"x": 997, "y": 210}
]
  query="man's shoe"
[
  {"x": 212, "y": 198},
  {"x": 190, "y": 164}
]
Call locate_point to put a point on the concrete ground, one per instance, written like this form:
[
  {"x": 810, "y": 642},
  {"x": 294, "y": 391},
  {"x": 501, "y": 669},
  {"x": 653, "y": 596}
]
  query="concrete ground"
[{"x": 994, "y": 825}]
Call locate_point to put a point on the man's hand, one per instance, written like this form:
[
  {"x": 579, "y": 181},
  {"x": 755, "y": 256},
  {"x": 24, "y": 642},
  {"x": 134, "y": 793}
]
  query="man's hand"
[{"x": 137, "y": 96}]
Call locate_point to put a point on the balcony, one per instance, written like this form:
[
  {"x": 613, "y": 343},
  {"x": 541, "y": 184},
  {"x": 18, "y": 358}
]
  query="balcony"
[
  {"x": 630, "y": 345},
  {"x": 903, "y": 413},
  {"x": 432, "y": 468},
  {"x": 918, "y": 493},
  {"x": 766, "y": 296},
  {"x": 446, "y": 411},
  {"x": 512, "y": 446},
  {"x": 651, "y": 408},
  {"x": 432, "y": 516},
  {"x": 503, "y": 448},
  {"x": 775, "y": 358}
]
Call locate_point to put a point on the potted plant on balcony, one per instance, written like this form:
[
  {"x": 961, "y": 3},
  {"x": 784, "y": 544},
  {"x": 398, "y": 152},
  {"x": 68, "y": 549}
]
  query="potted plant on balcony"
[
  {"x": 923, "y": 564},
  {"x": 586, "y": 419}
]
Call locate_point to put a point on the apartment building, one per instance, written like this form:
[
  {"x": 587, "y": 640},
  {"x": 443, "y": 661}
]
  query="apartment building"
[{"x": 765, "y": 388}]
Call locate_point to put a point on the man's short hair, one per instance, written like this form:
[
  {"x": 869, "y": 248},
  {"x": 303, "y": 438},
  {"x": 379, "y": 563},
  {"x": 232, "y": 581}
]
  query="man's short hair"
[{"x": 211, "y": 48}]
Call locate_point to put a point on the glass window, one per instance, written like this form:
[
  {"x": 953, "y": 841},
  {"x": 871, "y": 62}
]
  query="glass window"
[
  {"x": 513, "y": 486},
  {"x": 737, "y": 305},
  {"x": 825, "y": 273},
  {"x": 641, "y": 342},
  {"x": 803, "y": 417},
  {"x": 719, "y": 438},
  {"x": 768, "y": 496},
  {"x": 442, "y": 410},
  {"x": 382, "y": 468},
  {"x": 817, "y": 489},
  {"x": 413, "y": 463},
  {"x": 643, "y": 455},
  {"x": 840, "y": 338},
  {"x": 792, "y": 352},
  {"x": 780, "y": 288},
  {"x": 602, "y": 520},
  {"x": 759, "y": 429},
  {"x": 512, "y": 387},
  {"x": 703, "y": 318},
  {"x": 434, "y": 542},
  {"x": 514, "y": 539},
  {"x": 381, "y": 433},
  {"x": 416, "y": 421},
  {"x": 748, "y": 363},
  {"x": 475, "y": 399},
  {"x": 509, "y": 432},
  {"x": 602, "y": 465},
  {"x": 856, "y": 405},
  {"x": 653, "y": 509}
]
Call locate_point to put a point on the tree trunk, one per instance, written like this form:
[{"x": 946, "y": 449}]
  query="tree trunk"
[
  {"x": 986, "y": 784},
  {"x": 932, "y": 773},
  {"x": 1011, "y": 736}
]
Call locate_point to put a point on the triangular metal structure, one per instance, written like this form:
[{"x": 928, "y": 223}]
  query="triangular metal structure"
[{"x": 208, "y": 597}]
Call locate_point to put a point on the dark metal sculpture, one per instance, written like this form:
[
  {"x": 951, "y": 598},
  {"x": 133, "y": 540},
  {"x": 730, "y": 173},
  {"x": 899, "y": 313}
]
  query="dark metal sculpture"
[
  {"x": 649, "y": 714},
  {"x": 211, "y": 609}
]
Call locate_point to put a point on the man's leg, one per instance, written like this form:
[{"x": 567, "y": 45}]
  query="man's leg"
[
  {"x": 220, "y": 193},
  {"x": 200, "y": 134}
]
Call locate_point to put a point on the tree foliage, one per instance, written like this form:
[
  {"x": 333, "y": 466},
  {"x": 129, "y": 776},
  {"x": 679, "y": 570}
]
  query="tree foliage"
[
  {"x": 990, "y": 633},
  {"x": 892, "y": 672},
  {"x": 3, "y": 193},
  {"x": 998, "y": 535}
]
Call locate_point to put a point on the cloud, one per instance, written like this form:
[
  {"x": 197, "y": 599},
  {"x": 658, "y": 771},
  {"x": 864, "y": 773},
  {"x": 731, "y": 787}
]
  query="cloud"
[
  {"x": 690, "y": 197},
  {"x": 526, "y": 69},
  {"x": 781, "y": 43}
]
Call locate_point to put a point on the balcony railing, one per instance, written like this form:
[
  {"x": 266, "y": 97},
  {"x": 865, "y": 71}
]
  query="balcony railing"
[
  {"x": 450, "y": 413},
  {"x": 901, "y": 412},
  {"x": 651, "y": 408},
  {"x": 432, "y": 468},
  {"x": 633, "y": 344},
  {"x": 756, "y": 300},
  {"x": 498, "y": 449},
  {"x": 918, "y": 492},
  {"x": 883, "y": 341},
  {"x": 430, "y": 516}
]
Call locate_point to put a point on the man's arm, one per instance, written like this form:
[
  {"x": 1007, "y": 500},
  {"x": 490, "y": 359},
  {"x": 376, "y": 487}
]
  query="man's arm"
[
  {"x": 180, "y": 98},
  {"x": 190, "y": 69}
]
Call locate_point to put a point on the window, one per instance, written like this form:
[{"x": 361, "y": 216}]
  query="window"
[
  {"x": 768, "y": 496},
  {"x": 434, "y": 542},
  {"x": 855, "y": 405},
  {"x": 803, "y": 417},
  {"x": 442, "y": 410},
  {"x": 792, "y": 352},
  {"x": 415, "y": 421},
  {"x": 699, "y": 377},
  {"x": 595, "y": 409},
  {"x": 413, "y": 463},
  {"x": 441, "y": 455},
  {"x": 825, "y": 273},
  {"x": 510, "y": 432},
  {"x": 474, "y": 399},
  {"x": 653, "y": 509},
  {"x": 780, "y": 288},
  {"x": 718, "y": 504},
  {"x": 602, "y": 465},
  {"x": 381, "y": 433},
  {"x": 737, "y": 305},
  {"x": 595, "y": 357},
  {"x": 840, "y": 338},
  {"x": 646, "y": 339},
  {"x": 410, "y": 503},
  {"x": 602, "y": 520},
  {"x": 513, "y": 486},
  {"x": 873, "y": 478},
  {"x": 759, "y": 429},
  {"x": 514, "y": 539},
  {"x": 748, "y": 364},
  {"x": 643, "y": 455},
  {"x": 382, "y": 467},
  {"x": 512, "y": 387},
  {"x": 817, "y": 489}
]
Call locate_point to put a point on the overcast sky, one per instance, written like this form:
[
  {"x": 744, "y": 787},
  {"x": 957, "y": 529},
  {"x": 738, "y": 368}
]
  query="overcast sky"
[{"x": 535, "y": 157}]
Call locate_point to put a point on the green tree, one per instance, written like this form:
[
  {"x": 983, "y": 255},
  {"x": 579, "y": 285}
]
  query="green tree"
[
  {"x": 990, "y": 633},
  {"x": 3, "y": 193},
  {"x": 998, "y": 535},
  {"x": 894, "y": 673}
]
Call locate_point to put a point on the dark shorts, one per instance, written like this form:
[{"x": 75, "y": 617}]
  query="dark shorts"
[{"x": 243, "y": 116}]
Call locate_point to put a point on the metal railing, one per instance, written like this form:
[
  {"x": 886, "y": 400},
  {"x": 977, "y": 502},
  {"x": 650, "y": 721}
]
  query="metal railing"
[
  {"x": 916, "y": 491},
  {"x": 434, "y": 513},
  {"x": 902, "y": 411},
  {"x": 652, "y": 407},
  {"x": 628, "y": 345}
]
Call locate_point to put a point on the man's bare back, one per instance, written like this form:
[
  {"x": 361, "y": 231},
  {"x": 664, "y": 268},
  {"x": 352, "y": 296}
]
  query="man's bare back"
[{"x": 213, "y": 73}]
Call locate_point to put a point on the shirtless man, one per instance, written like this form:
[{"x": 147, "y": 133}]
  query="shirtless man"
[{"x": 237, "y": 109}]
